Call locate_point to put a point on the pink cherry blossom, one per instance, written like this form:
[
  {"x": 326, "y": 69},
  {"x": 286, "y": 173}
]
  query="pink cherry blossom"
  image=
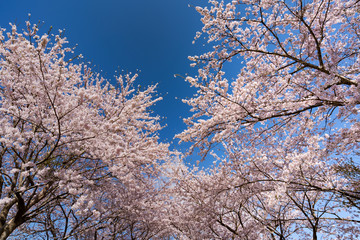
[
  {"x": 286, "y": 122},
  {"x": 79, "y": 156}
]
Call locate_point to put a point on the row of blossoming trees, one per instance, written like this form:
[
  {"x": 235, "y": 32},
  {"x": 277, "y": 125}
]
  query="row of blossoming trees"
[{"x": 81, "y": 159}]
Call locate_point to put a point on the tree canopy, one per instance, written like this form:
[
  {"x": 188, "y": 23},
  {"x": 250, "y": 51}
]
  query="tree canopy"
[{"x": 81, "y": 157}]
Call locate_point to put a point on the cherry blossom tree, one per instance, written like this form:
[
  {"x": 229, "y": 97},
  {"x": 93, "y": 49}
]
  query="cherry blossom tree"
[
  {"x": 286, "y": 122},
  {"x": 80, "y": 157}
]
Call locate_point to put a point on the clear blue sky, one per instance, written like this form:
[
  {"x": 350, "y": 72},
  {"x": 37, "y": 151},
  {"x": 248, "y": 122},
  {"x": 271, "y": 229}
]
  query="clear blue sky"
[{"x": 154, "y": 36}]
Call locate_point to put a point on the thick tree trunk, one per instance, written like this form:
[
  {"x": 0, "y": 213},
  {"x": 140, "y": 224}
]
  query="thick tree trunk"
[{"x": 10, "y": 227}]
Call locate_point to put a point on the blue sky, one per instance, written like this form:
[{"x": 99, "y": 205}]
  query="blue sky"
[{"x": 154, "y": 37}]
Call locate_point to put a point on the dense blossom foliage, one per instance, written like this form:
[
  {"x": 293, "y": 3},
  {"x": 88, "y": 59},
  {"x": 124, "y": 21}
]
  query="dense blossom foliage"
[
  {"x": 278, "y": 102},
  {"x": 287, "y": 122},
  {"x": 79, "y": 157}
]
